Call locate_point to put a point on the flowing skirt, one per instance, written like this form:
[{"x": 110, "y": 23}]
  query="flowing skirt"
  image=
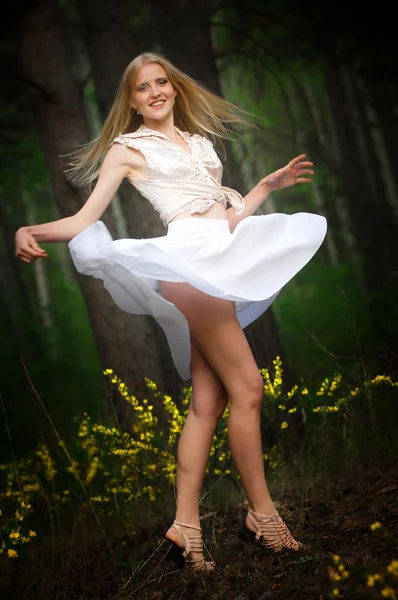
[{"x": 248, "y": 266}]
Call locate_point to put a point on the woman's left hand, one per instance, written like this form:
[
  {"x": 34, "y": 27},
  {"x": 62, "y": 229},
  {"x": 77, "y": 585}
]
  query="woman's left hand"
[{"x": 289, "y": 175}]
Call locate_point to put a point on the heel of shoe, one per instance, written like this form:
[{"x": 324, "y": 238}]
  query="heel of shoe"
[
  {"x": 245, "y": 534},
  {"x": 191, "y": 543},
  {"x": 175, "y": 553}
]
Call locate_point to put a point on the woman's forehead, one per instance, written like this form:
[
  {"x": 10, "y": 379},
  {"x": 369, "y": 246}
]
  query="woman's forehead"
[{"x": 148, "y": 72}]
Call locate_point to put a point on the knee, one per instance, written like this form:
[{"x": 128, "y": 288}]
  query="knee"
[
  {"x": 209, "y": 407},
  {"x": 250, "y": 394}
]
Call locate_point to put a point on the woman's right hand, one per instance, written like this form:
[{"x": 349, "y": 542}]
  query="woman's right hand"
[{"x": 26, "y": 247}]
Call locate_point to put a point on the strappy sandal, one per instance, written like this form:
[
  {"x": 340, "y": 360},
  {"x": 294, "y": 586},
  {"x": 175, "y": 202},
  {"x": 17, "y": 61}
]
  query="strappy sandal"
[
  {"x": 271, "y": 532},
  {"x": 191, "y": 543}
]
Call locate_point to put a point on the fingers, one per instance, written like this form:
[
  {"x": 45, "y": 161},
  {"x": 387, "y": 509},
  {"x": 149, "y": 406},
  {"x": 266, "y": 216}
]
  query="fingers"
[
  {"x": 35, "y": 247},
  {"x": 28, "y": 254},
  {"x": 298, "y": 159},
  {"x": 303, "y": 180},
  {"x": 304, "y": 172},
  {"x": 27, "y": 260}
]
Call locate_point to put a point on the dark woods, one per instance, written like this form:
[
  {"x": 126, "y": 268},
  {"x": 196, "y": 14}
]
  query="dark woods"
[{"x": 323, "y": 81}]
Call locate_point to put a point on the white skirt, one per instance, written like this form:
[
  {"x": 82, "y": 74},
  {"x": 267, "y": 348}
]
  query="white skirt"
[{"x": 248, "y": 266}]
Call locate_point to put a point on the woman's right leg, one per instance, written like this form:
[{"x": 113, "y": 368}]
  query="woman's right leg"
[{"x": 208, "y": 402}]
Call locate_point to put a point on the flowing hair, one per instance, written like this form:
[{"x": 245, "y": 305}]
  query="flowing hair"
[{"x": 196, "y": 110}]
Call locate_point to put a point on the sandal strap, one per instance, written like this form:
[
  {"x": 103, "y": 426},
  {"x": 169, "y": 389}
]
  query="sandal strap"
[
  {"x": 273, "y": 531},
  {"x": 185, "y": 525},
  {"x": 192, "y": 543}
]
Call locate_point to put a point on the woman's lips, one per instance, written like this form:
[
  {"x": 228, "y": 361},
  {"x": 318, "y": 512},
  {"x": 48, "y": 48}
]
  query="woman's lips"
[{"x": 157, "y": 104}]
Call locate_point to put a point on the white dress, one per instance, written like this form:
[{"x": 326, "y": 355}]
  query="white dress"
[{"x": 248, "y": 266}]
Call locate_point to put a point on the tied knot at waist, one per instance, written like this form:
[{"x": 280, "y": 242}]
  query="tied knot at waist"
[
  {"x": 224, "y": 195},
  {"x": 200, "y": 205},
  {"x": 233, "y": 197}
]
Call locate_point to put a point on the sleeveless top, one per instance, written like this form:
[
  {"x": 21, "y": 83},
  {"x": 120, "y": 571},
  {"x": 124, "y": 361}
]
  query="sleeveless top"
[{"x": 176, "y": 181}]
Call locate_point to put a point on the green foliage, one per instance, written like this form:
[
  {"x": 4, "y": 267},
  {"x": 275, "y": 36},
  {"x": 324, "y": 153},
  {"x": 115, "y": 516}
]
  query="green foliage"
[
  {"x": 110, "y": 470},
  {"x": 323, "y": 320}
]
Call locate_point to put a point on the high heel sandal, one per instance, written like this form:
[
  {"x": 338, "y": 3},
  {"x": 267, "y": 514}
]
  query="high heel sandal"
[
  {"x": 191, "y": 543},
  {"x": 271, "y": 532}
]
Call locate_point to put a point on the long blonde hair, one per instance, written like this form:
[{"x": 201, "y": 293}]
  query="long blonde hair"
[{"x": 196, "y": 110}]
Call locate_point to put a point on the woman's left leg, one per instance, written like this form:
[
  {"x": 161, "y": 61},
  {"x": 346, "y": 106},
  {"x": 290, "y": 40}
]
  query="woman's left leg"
[{"x": 208, "y": 403}]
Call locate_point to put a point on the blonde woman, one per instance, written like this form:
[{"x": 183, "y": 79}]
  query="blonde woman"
[{"x": 215, "y": 271}]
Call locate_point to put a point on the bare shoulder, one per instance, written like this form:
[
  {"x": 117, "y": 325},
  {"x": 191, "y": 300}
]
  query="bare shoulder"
[{"x": 125, "y": 155}]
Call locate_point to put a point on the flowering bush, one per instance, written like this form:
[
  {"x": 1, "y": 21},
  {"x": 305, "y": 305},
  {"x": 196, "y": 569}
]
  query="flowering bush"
[{"x": 108, "y": 469}]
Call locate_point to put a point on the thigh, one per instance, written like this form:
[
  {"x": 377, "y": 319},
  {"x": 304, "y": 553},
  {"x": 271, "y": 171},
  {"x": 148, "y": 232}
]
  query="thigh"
[{"x": 216, "y": 331}]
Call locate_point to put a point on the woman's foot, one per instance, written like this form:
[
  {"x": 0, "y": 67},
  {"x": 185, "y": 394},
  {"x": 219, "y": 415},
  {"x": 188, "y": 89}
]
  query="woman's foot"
[
  {"x": 271, "y": 531},
  {"x": 188, "y": 540}
]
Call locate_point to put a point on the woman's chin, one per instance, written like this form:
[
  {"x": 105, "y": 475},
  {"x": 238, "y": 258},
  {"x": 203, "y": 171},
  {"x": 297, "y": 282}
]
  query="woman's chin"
[{"x": 158, "y": 115}]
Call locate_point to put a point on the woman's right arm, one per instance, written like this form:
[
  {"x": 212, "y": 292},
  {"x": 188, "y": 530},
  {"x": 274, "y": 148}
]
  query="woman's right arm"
[{"x": 120, "y": 162}]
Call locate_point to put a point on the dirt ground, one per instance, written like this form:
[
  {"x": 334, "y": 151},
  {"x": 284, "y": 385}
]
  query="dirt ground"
[{"x": 333, "y": 519}]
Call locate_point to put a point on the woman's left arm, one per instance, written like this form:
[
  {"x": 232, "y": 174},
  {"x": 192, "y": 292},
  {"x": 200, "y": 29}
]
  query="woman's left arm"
[{"x": 294, "y": 172}]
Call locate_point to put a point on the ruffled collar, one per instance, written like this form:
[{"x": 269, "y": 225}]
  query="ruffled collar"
[{"x": 144, "y": 131}]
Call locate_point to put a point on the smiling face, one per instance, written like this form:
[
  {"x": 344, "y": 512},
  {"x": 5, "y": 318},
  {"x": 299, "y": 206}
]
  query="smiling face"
[{"x": 153, "y": 94}]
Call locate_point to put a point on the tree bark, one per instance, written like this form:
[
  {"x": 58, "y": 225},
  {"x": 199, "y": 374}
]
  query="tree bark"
[
  {"x": 111, "y": 45},
  {"x": 124, "y": 342},
  {"x": 371, "y": 218},
  {"x": 183, "y": 30}
]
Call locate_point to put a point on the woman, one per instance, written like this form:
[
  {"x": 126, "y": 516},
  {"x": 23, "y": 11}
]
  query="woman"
[{"x": 215, "y": 271}]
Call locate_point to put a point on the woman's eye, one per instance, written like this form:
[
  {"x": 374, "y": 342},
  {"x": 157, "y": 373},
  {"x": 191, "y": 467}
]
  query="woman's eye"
[{"x": 163, "y": 81}]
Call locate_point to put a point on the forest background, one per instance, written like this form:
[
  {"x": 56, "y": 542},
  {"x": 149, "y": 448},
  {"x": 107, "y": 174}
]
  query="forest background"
[{"x": 323, "y": 79}]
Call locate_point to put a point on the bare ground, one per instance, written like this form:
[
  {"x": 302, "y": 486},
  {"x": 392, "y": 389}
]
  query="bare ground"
[{"x": 332, "y": 519}]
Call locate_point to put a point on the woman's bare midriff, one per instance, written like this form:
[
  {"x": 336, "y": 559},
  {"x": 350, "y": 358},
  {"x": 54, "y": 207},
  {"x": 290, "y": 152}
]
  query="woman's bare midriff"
[{"x": 217, "y": 211}]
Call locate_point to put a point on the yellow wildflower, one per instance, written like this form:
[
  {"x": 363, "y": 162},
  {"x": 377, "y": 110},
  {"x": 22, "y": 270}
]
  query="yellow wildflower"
[
  {"x": 284, "y": 425},
  {"x": 12, "y": 553},
  {"x": 376, "y": 525},
  {"x": 370, "y": 581},
  {"x": 393, "y": 568},
  {"x": 388, "y": 592}
]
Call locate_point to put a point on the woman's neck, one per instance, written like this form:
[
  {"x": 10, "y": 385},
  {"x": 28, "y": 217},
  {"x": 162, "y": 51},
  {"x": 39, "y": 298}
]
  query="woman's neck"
[{"x": 166, "y": 127}]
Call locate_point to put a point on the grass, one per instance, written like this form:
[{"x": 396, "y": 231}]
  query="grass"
[{"x": 86, "y": 519}]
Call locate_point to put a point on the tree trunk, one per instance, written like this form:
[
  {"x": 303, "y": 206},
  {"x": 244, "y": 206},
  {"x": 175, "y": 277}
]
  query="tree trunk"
[
  {"x": 124, "y": 342},
  {"x": 320, "y": 202},
  {"x": 371, "y": 218},
  {"x": 111, "y": 46},
  {"x": 42, "y": 289},
  {"x": 184, "y": 35},
  {"x": 377, "y": 146}
]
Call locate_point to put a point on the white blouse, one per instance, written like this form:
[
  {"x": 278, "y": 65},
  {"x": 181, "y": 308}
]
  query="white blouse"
[{"x": 176, "y": 181}]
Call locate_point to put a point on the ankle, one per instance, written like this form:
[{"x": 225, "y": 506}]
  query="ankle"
[
  {"x": 263, "y": 508},
  {"x": 187, "y": 519}
]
